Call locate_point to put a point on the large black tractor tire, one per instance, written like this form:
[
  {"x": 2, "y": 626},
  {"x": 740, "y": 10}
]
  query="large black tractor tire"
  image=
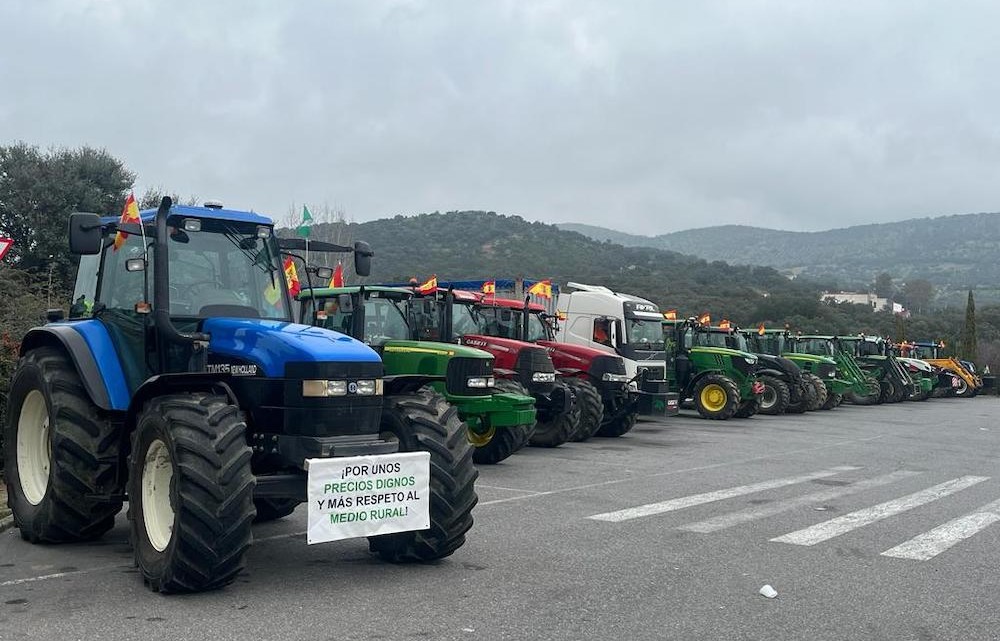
[
  {"x": 888, "y": 391},
  {"x": 776, "y": 396},
  {"x": 748, "y": 407},
  {"x": 560, "y": 428},
  {"x": 716, "y": 397},
  {"x": 832, "y": 401},
  {"x": 190, "y": 492},
  {"x": 591, "y": 408},
  {"x": 61, "y": 453},
  {"x": 807, "y": 395},
  {"x": 619, "y": 426},
  {"x": 426, "y": 422},
  {"x": 819, "y": 399},
  {"x": 497, "y": 444},
  {"x": 273, "y": 509},
  {"x": 964, "y": 390}
]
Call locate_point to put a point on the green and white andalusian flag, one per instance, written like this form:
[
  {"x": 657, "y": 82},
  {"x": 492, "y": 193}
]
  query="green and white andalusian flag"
[{"x": 306, "y": 225}]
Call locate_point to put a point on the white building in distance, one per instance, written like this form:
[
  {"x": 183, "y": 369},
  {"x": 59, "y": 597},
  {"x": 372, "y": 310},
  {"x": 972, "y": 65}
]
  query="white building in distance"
[{"x": 877, "y": 303}]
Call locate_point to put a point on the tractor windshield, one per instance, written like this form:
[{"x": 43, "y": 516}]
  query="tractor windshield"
[
  {"x": 710, "y": 339},
  {"x": 644, "y": 335},
  {"x": 815, "y": 346},
  {"x": 501, "y": 322},
  {"x": 538, "y": 329},
  {"x": 464, "y": 320},
  {"x": 773, "y": 344},
  {"x": 225, "y": 270}
]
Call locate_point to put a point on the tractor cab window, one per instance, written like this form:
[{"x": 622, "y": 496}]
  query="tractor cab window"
[
  {"x": 502, "y": 322},
  {"x": 815, "y": 346},
  {"x": 384, "y": 322},
  {"x": 710, "y": 339},
  {"x": 335, "y": 319},
  {"x": 225, "y": 270},
  {"x": 538, "y": 329},
  {"x": 425, "y": 318},
  {"x": 85, "y": 291},
  {"x": 644, "y": 335},
  {"x": 602, "y": 331},
  {"x": 121, "y": 289},
  {"x": 869, "y": 348},
  {"x": 739, "y": 341},
  {"x": 769, "y": 344},
  {"x": 464, "y": 320}
]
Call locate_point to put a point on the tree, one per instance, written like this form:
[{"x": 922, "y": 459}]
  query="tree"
[
  {"x": 918, "y": 294},
  {"x": 883, "y": 285},
  {"x": 38, "y": 192},
  {"x": 968, "y": 350}
]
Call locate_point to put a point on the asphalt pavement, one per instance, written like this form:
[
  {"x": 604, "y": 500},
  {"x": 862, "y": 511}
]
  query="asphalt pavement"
[{"x": 870, "y": 523}]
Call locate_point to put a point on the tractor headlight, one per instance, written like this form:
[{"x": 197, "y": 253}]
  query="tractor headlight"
[
  {"x": 750, "y": 358},
  {"x": 543, "y": 377},
  {"x": 368, "y": 387},
  {"x": 325, "y": 389},
  {"x": 615, "y": 378},
  {"x": 481, "y": 382}
]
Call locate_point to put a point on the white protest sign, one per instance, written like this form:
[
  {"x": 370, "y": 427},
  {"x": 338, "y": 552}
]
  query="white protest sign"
[{"x": 357, "y": 496}]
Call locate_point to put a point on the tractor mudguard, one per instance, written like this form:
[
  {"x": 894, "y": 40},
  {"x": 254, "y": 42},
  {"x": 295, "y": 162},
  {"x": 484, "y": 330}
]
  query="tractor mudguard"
[
  {"x": 178, "y": 384},
  {"x": 772, "y": 372},
  {"x": 697, "y": 377},
  {"x": 408, "y": 383},
  {"x": 89, "y": 346}
]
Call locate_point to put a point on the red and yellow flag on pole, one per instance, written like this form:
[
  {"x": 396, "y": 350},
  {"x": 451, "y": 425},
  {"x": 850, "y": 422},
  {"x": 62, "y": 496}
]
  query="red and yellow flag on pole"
[
  {"x": 338, "y": 276},
  {"x": 705, "y": 319},
  {"x": 429, "y": 287},
  {"x": 761, "y": 329},
  {"x": 490, "y": 287},
  {"x": 292, "y": 277},
  {"x": 670, "y": 314},
  {"x": 130, "y": 214},
  {"x": 542, "y": 288},
  {"x": 725, "y": 324}
]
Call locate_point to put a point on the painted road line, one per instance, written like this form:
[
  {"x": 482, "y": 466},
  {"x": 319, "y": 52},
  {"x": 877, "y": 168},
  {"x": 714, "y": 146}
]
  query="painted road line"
[
  {"x": 709, "y": 497},
  {"x": 929, "y": 544},
  {"x": 724, "y": 521},
  {"x": 844, "y": 524},
  {"x": 60, "y": 575}
]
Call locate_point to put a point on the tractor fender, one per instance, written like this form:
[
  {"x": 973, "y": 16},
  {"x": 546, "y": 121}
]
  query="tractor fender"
[
  {"x": 175, "y": 384},
  {"x": 700, "y": 375},
  {"x": 570, "y": 371},
  {"x": 89, "y": 346},
  {"x": 772, "y": 372},
  {"x": 408, "y": 383}
]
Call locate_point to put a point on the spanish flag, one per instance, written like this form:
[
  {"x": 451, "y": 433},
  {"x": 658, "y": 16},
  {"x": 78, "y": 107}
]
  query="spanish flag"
[
  {"x": 670, "y": 314},
  {"x": 338, "y": 276},
  {"x": 130, "y": 214},
  {"x": 490, "y": 287},
  {"x": 542, "y": 288},
  {"x": 430, "y": 287},
  {"x": 761, "y": 329},
  {"x": 705, "y": 319},
  {"x": 725, "y": 324},
  {"x": 292, "y": 276}
]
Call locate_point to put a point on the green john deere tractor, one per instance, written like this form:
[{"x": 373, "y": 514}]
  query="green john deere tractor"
[
  {"x": 856, "y": 385},
  {"x": 721, "y": 382},
  {"x": 789, "y": 384},
  {"x": 500, "y": 423},
  {"x": 875, "y": 358}
]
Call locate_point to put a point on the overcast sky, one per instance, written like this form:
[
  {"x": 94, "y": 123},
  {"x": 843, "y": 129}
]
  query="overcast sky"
[{"x": 647, "y": 117}]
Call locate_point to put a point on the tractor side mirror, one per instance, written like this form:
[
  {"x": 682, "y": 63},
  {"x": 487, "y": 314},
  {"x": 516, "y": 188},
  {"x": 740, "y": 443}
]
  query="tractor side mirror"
[
  {"x": 346, "y": 303},
  {"x": 85, "y": 233},
  {"x": 135, "y": 264},
  {"x": 324, "y": 273},
  {"x": 363, "y": 258}
]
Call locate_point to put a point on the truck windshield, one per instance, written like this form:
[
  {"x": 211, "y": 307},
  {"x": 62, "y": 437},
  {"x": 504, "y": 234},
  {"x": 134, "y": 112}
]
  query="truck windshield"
[
  {"x": 644, "y": 335},
  {"x": 225, "y": 269}
]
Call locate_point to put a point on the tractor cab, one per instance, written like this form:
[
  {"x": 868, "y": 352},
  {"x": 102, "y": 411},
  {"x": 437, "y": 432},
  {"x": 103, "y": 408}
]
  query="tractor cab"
[
  {"x": 874, "y": 355},
  {"x": 964, "y": 381}
]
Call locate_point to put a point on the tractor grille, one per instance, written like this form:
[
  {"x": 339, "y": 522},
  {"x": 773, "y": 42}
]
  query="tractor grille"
[
  {"x": 529, "y": 361},
  {"x": 460, "y": 369},
  {"x": 826, "y": 370}
]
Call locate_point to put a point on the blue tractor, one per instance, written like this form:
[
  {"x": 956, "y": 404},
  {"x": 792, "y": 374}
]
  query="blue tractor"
[{"x": 180, "y": 384}]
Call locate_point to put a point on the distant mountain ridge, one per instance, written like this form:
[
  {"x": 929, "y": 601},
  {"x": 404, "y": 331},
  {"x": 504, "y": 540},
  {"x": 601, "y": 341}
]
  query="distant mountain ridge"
[{"x": 954, "y": 252}]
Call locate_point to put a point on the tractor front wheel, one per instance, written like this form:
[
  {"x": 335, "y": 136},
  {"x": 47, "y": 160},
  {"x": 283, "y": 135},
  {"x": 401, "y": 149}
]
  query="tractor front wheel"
[
  {"x": 591, "y": 408},
  {"x": 61, "y": 456},
  {"x": 820, "y": 393},
  {"x": 190, "y": 493},
  {"x": 496, "y": 444},
  {"x": 716, "y": 397},
  {"x": 426, "y": 422},
  {"x": 776, "y": 396},
  {"x": 557, "y": 428},
  {"x": 963, "y": 389},
  {"x": 832, "y": 401},
  {"x": 748, "y": 407}
]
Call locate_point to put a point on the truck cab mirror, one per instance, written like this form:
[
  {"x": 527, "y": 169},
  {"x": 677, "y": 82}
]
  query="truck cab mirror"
[
  {"x": 614, "y": 334},
  {"x": 362, "y": 258},
  {"x": 346, "y": 303},
  {"x": 85, "y": 233}
]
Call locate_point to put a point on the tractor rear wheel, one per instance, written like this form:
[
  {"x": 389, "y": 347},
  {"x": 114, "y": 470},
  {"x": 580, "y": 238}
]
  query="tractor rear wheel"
[
  {"x": 716, "y": 397},
  {"x": 61, "y": 455},
  {"x": 591, "y": 407},
  {"x": 888, "y": 391},
  {"x": 832, "y": 401},
  {"x": 820, "y": 391},
  {"x": 190, "y": 492},
  {"x": 555, "y": 430},
  {"x": 776, "y": 396},
  {"x": 806, "y": 395},
  {"x": 274, "y": 509},
  {"x": 748, "y": 407},
  {"x": 426, "y": 422}
]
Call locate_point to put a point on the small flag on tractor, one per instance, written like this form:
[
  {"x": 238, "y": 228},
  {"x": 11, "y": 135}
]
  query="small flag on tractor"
[
  {"x": 130, "y": 214},
  {"x": 542, "y": 288},
  {"x": 725, "y": 324},
  {"x": 292, "y": 276},
  {"x": 761, "y": 329},
  {"x": 429, "y": 287},
  {"x": 338, "y": 276},
  {"x": 705, "y": 319},
  {"x": 670, "y": 314},
  {"x": 490, "y": 287},
  {"x": 305, "y": 227}
]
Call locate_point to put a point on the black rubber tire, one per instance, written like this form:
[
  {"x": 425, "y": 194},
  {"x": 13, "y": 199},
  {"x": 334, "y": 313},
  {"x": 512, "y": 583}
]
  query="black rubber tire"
[
  {"x": 426, "y": 422},
  {"x": 619, "y": 426},
  {"x": 832, "y": 401},
  {"x": 807, "y": 395},
  {"x": 84, "y": 449},
  {"x": 506, "y": 441},
  {"x": 819, "y": 387},
  {"x": 748, "y": 407},
  {"x": 888, "y": 391},
  {"x": 732, "y": 397},
  {"x": 591, "y": 408},
  {"x": 274, "y": 509},
  {"x": 560, "y": 428},
  {"x": 211, "y": 492},
  {"x": 964, "y": 390},
  {"x": 776, "y": 396}
]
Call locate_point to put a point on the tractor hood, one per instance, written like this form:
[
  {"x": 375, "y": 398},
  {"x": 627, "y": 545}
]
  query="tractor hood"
[
  {"x": 495, "y": 344},
  {"x": 780, "y": 363},
  {"x": 273, "y": 344},
  {"x": 432, "y": 348},
  {"x": 569, "y": 356},
  {"x": 725, "y": 351},
  {"x": 812, "y": 358},
  {"x": 916, "y": 363}
]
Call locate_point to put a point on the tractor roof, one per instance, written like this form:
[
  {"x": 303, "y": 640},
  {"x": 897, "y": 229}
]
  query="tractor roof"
[
  {"x": 512, "y": 303},
  {"x": 327, "y": 292},
  {"x": 234, "y": 215}
]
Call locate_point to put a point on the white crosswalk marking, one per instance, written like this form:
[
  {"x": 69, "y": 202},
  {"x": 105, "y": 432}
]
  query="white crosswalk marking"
[
  {"x": 724, "y": 521},
  {"x": 708, "y": 497},
  {"x": 930, "y": 544},
  {"x": 844, "y": 524}
]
